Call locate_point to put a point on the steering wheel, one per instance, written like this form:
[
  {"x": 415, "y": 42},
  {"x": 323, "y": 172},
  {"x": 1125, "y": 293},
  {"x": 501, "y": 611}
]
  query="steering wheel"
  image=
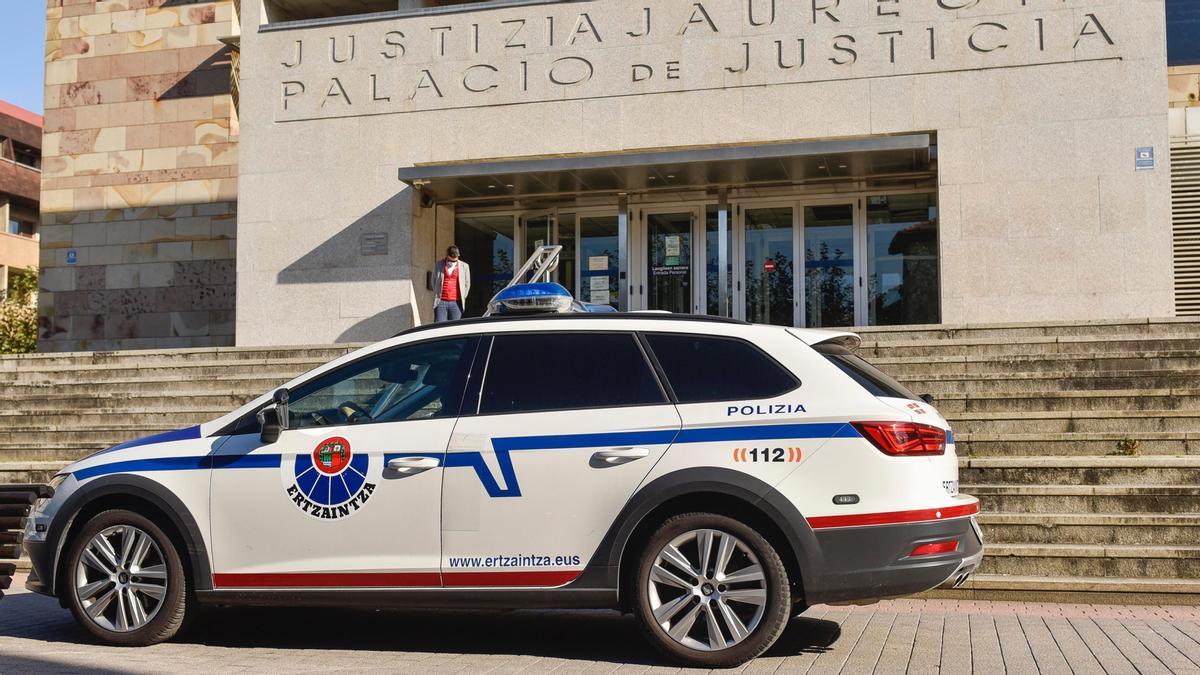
[{"x": 353, "y": 412}]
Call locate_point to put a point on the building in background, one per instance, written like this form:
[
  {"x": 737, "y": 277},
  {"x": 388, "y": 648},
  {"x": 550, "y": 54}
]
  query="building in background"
[
  {"x": 20, "y": 183},
  {"x": 139, "y": 176},
  {"x": 1183, "y": 57},
  {"x": 817, "y": 163}
]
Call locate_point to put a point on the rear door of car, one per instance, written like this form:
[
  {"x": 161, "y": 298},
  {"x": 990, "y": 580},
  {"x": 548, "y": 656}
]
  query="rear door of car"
[{"x": 562, "y": 429}]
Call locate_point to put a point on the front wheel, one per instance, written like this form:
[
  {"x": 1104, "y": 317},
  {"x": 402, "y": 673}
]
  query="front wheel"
[
  {"x": 124, "y": 580},
  {"x": 711, "y": 591}
]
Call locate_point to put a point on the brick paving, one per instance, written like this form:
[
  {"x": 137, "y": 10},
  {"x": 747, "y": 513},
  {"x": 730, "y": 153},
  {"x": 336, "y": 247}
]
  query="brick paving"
[{"x": 914, "y": 636}]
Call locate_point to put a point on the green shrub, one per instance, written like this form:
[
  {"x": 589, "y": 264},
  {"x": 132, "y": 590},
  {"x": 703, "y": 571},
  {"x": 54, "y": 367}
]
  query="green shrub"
[{"x": 18, "y": 315}]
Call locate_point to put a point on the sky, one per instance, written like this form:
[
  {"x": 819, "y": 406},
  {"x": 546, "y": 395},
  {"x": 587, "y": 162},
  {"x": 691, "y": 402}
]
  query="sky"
[{"x": 22, "y": 52}]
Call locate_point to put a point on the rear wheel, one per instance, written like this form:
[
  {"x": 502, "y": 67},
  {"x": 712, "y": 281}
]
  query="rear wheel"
[
  {"x": 711, "y": 591},
  {"x": 124, "y": 580}
]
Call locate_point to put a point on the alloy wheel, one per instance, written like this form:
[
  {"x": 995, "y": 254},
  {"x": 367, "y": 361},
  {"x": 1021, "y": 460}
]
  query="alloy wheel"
[
  {"x": 121, "y": 578},
  {"x": 707, "y": 590}
]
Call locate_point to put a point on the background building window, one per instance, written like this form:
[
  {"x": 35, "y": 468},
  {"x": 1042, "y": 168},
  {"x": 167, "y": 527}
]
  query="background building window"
[{"x": 1183, "y": 32}]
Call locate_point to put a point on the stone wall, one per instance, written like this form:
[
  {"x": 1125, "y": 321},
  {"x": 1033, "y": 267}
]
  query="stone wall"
[{"x": 139, "y": 179}]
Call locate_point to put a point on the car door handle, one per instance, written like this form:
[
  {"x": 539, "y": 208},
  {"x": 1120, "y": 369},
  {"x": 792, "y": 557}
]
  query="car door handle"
[
  {"x": 413, "y": 465},
  {"x": 620, "y": 455}
]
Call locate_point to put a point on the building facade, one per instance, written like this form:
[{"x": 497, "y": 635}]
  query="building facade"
[
  {"x": 20, "y": 166},
  {"x": 139, "y": 176},
  {"x": 813, "y": 163}
]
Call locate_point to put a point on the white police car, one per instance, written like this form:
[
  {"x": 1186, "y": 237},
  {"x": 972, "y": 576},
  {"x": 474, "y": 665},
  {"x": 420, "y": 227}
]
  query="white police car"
[{"x": 711, "y": 477}]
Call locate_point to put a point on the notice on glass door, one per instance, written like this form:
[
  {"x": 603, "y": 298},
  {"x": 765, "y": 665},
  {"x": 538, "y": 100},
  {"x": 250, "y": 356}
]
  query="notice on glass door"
[
  {"x": 598, "y": 284},
  {"x": 597, "y": 263},
  {"x": 672, "y": 244},
  {"x": 600, "y": 297}
]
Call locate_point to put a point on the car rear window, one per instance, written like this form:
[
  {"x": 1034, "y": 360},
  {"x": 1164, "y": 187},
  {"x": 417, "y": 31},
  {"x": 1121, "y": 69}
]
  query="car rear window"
[
  {"x": 536, "y": 372},
  {"x": 703, "y": 369},
  {"x": 871, "y": 378}
]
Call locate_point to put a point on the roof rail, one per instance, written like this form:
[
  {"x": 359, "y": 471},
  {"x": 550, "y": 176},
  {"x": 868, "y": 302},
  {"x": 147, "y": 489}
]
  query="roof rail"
[{"x": 489, "y": 320}]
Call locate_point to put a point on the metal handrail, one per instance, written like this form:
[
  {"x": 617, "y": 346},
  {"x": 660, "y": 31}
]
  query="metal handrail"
[{"x": 543, "y": 262}]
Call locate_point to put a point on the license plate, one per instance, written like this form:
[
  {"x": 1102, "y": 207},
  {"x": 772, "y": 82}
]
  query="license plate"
[{"x": 951, "y": 486}]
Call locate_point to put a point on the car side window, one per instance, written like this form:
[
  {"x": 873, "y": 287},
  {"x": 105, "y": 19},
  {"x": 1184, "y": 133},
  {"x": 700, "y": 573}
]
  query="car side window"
[
  {"x": 415, "y": 382},
  {"x": 566, "y": 371},
  {"x": 702, "y": 369}
]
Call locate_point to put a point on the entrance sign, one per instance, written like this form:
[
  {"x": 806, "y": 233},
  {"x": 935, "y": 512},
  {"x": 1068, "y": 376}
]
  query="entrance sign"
[{"x": 769, "y": 266}]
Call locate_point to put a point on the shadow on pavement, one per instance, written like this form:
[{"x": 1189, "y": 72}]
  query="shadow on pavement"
[{"x": 578, "y": 635}]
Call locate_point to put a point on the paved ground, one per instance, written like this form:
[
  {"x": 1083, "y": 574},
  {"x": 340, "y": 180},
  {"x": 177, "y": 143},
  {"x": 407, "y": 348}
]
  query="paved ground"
[{"x": 918, "y": 636}]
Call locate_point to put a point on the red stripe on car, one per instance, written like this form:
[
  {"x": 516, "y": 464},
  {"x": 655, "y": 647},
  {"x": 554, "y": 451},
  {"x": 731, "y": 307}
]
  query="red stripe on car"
[{"x": 893, "y": 517}]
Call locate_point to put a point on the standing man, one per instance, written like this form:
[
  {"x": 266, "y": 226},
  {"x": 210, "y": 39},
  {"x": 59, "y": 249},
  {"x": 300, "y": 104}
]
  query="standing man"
[{"x": 452, "y": 283}]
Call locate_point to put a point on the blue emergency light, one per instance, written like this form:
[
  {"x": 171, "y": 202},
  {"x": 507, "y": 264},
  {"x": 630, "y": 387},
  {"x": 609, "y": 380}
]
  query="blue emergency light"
[{"x": 546, "y": 297}]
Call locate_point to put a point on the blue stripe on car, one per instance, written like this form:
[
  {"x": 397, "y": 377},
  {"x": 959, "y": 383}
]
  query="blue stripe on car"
[
  {"x": 503, "y": 448},
  {"x": 188, "y": 434}
]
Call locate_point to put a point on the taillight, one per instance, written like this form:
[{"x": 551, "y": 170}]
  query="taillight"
[{"x": 904, "y": 439}]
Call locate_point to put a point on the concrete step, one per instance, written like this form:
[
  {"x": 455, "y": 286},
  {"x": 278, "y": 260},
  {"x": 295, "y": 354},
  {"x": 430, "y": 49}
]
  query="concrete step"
[
  {"x": 170, "y": 357},
  {"x": 957, "y": 404},
  {"x": 1101, "y": 590},
  {"x": 1084, "y": 560},
  {"x": 1077, "y": 444},
  {"x": 1094, "y": 364},
  {"x": 1009, "y": 345},
  {"x": 1091, "y": 528},
  {"x": 949, "y": 385},
  {"x": 165, "y": 387},
  {"x": 1081, "y": 421},
  {"x": 50, "y": 452},
  {"x": 128, "y": 403},
  {"x": 109, "y": 433},
  {"x": 1131, "y": 328},
  {"x": 1079, "y": 471},
  {"x": 1087, "y": 498},
  {"x": 101, "y": 417},
  {"x": 184, "y": 372},
  {"x": 28, "y": 472}
]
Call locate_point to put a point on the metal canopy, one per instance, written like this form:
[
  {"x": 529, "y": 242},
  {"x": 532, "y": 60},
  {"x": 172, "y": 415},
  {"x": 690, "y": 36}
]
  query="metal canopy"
[{"x": 729, "y": 166}]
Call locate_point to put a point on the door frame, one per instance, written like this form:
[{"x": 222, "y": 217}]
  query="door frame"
[
  {"x": 640, "y": 255},
  {"x": 858, "y": 230}
]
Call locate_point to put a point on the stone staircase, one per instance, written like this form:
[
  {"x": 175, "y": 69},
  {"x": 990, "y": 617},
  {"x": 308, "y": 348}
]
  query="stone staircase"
[{"x": 1081, "y": 439}]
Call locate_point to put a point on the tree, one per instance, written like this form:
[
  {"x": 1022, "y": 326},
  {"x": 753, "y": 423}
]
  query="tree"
[{"x": 18, "y": 315}]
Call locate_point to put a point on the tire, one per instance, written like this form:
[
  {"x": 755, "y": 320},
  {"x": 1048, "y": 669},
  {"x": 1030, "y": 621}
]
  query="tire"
[
  {"x": 752, "y": 591},
  {"x": 120, "y": 558}
]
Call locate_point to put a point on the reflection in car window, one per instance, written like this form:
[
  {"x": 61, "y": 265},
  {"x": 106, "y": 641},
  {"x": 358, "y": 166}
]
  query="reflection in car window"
[
  {"x": 704, "y": 369},
  {"x": 408, "y": 383},
  {"x": 567, "y": 371}
]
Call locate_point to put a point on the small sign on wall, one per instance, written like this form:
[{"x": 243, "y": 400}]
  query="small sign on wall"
[
  {"x": 373, "y": 243},
  {"x": 72, "y": 257},
  {"x": 1144, "y": 159}
]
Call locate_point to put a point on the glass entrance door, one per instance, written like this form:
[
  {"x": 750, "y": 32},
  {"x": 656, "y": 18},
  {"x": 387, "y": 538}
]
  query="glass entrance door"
[
  {"x": 768, "y": 235},
  {"x": 599, "y": 261},
  {"x": 829, "y": 266},
  {"x": 487, "y": 243},
  {"x": 669, "y": 284}
]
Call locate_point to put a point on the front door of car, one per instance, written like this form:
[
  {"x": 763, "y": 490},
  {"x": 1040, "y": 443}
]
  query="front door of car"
[
  {"x": 564, "y": 428},
  {"x": 349, "y": 495}
]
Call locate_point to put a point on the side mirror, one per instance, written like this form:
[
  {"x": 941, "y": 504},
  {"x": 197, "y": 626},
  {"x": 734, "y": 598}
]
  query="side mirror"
[
  {"x": 274, "y": 418},
  {"x": 928, "y": 398}
]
